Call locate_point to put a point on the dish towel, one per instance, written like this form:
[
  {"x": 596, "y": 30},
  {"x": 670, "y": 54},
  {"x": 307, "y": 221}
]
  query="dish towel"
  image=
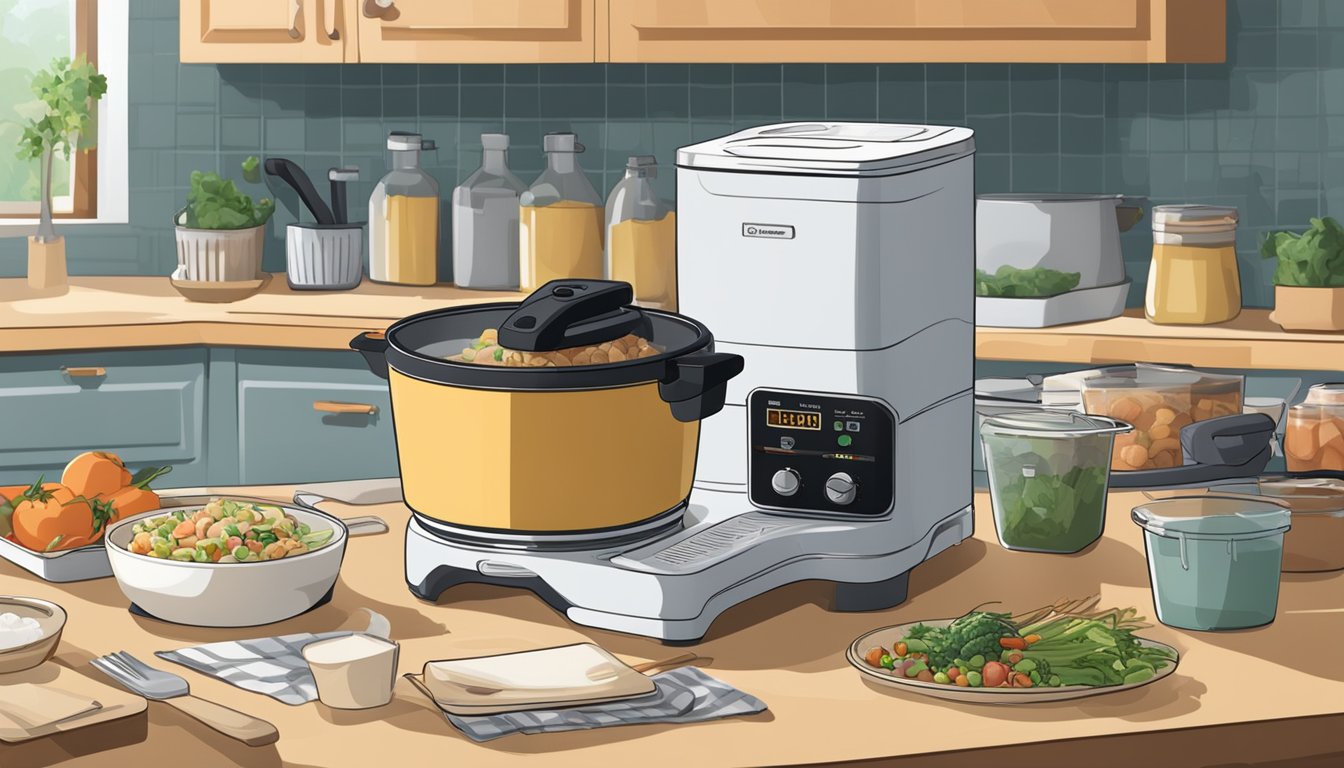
[
  {"x": 271, "y": 665},
  {"x": 685, "y": 695}
]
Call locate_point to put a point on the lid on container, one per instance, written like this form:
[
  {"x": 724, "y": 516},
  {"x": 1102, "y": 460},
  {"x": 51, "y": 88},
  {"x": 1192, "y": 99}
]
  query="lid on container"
[
  {"x": 494, "y": 141},
  {"x": 401, "y": 141},
  {"x": 1320, "y": 496},
  {"x": 1146, "y": 376},
  {"x": 1213, "y": 517},
  {"x": 830, "y": 149},
  {"x": 562, "y": 141},
  {"x": 1041, "y": 423},
  {"x": 1194, "y": 219},
  {"x": 1325, "y": 394},
  {"x": 643, "y": 165}
]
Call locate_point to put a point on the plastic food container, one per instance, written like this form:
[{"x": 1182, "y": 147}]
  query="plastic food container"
[
  {"x": 1314, "y": 438},
  {"x": 1158, "y": 401},
  {"x": 1048, "y": 478},
  {"x": 1214, "y": 560},
  {"x": 1193, "y": 277},
  {"x": 1316, "y": 541}
]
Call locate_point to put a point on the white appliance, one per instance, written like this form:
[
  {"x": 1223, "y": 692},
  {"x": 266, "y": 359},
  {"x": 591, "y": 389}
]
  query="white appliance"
[{"x": 838, "y": 260}]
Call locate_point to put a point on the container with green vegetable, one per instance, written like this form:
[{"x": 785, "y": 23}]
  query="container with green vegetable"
[
  {"x": 1308, "y": 277},
  {"x": 221, "y": 230},
  {"x": 1048, "y": 475}
]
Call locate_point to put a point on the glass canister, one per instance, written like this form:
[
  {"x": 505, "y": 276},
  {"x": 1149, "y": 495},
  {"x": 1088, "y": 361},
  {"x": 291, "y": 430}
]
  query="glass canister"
[
  {"x": 560, "y": 219},
  {"x": 1193, "y": 278},
  {"x": 404, "y": 217},
  {"x": 1314, "y": 437},
  {"x": 485, "y": 221},
  {"x": 641, "y": 237}
]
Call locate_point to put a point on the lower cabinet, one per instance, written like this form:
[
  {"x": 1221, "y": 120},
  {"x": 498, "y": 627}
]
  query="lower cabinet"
[
  {"x": 147, "y": 406},
  {"x": 307, "y": 416}
]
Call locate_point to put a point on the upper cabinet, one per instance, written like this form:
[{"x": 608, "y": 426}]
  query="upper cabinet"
[
  {"x": 775, "y": 31},
  {"x": 226, "y": 31},
  {"x": 481, "y": 31},
  {"x": 1052, "y": 31}
]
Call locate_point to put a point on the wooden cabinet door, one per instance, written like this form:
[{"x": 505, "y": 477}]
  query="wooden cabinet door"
[
  {"x": 916, "y": 30},
  {"x": 308, "y": 31},
  {"x": 481, "y": 31}
]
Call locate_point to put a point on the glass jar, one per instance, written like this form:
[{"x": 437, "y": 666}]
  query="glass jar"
[
  {"x": 485, "y": 221},
  {"x": 642, "y": 237},
  {"x": 404, "y": 217},
  {"x": 1193, "y": 278},
  {"x": 1314, "y": 438},
  {"x": 560, "y": 219}
]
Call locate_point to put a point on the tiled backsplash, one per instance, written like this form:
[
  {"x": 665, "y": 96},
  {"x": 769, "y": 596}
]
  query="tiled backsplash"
[{"x": 1264, "y": 132}]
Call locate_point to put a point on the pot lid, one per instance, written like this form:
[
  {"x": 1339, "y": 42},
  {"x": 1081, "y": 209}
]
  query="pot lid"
[
  {"x": 1041, "y": 423},
  {"x": 1325, "y": 394},
  {"x": 1213, "y": 517},
  {"x": 830, "y": 149}
]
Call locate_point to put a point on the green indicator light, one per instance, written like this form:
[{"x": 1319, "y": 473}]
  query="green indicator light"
[
  {"x": 844, "y": 441},
  {"x": 839, "y": 426}
]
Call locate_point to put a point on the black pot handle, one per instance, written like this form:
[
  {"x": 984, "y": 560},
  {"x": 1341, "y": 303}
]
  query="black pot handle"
[
  {"x": 697, "y": 384},
  {"x": 373, "y": 346},
  {"x": 571, "y": 313}
]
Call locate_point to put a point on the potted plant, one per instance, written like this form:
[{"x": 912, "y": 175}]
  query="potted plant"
[
  {"x": 221, "y": 230},
  {"x": 1309, "y": 278},
  {"x": 68, "y": 91}
]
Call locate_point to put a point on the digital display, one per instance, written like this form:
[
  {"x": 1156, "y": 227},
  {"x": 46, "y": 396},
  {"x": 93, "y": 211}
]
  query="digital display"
[{"x": 776, "y": 417}]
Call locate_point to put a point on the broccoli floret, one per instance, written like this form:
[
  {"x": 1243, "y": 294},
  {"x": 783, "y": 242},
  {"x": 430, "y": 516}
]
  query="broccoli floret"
[{"x": 976, "y": 633}]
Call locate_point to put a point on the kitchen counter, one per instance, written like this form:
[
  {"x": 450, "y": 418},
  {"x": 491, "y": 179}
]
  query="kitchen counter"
[
  {"x": 117, "y": 312},
  {"x": 1275, "y": 693}
]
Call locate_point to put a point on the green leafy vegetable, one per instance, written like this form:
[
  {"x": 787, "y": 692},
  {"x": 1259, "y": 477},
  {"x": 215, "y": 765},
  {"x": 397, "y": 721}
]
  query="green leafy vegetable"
[
  {"x": 1313, "y": 259},
  {"x": 1094, "y": 649},
  {"x": 1036, "y": 282},
  {"x": 216, "y": 203},
  {"x": 1059, "y": 513},
  {"x": 976, "y": 633}
]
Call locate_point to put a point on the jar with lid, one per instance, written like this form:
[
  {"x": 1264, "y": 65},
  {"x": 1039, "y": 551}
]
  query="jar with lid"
[
  {"x": 485, "y": 221},
  {"x": 1314, "y": 437},
  {"x": 404, "y": 217},
  {"x": 1193, "y": 278},
  {"x": 560, "y": 219},
  {"x": 641, "y": 237}
]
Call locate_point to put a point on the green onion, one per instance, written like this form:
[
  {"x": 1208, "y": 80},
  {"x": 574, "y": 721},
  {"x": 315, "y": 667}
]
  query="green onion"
[
  {"x": 232, "y": 530},
  {"x": 499, "y": 354}
]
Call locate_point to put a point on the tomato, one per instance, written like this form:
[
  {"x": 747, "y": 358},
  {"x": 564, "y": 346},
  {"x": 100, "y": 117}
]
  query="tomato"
[
  {"x": 995, "y": 674},
  {"x": 52, "y": 517},
  {"x": 93, "y": 473},
  {"x": 130, "y": 501}
]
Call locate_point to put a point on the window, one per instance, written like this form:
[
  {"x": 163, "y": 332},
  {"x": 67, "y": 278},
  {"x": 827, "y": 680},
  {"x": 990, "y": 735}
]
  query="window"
[{"x": 32, "y": 33}]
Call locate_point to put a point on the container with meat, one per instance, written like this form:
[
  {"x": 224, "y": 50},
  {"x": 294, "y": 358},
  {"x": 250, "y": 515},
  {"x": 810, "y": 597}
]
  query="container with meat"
[
  {"x": 1314, "y": 439},
  {"x": 1158, "y": 401}
]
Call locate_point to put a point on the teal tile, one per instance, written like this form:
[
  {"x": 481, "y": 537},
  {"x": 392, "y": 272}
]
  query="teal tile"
[
  {"x": 1080, "y": 89},
  {"x": 1166, "y": 175},
  {"x": 1296, "y": 49},
  {"x": 572, "y": 74},
  {"x": 763, "y": 103},
  {"x": 1332, "y": 14},
  {"x": 711, "y": 102},
  {"x": 239, "y": 97},
  {"x": 322, "y": 134},
  {"x": 1080, "y": 174},
  {"x": 184, "y": 163},
  {"x": 570, "y": 101},
  {"x": 1207, "y": 88},
  {"x": 851, "y": 91},
  {"x": 322, "y": 101},
  {"x": 987, "y": 89},
  {"x": 364, "y": 135},
  {"x": 195, "y": 131},
  {"x": 477, "y": 101},
  {"x": 522, "y": 74},
  {"x": 322, "y": 74},
  {"x": 401, "y": 74},
  {"x": 1254, "y": 48},
  {"x": 945, "y": 94},
  {"x": 1166, "y": 97},
  {"x": 438, "y": 74},
  {"x": 438, "y": 100},
  {"x": 240, "y": 133},
  {"x": 361, "y": 74},
  {"x": 625, "y": 74},
  {"x": 197, "y": 85},
  {"x": 282, "y": 74},
  {"x": 668, "y": 102},
  {"x": 1201, "y": 135},
  {"x": 1081, "y": 135},
  {"x": 1035, "y": 133},
  {"x": 400, "y": 102},
  {"x": 758, "y": 74},
  {"x": 992, "y": 134},
  {"x": 1201, "y": 174},
  {"x": 1298, "y": 133},
  {"x": 1035, "y": 173},
  {"x": 1299, "y": 93},
  {"x": 1035, "y": 88},
  {"x": 523, "y": 101},
  {"x": 1166, "y": 134},
  {"x": 626, "y": 102},
  {"x": 901, "y": 93},
  {"x": 282, "y": 100},
  {"x": 153, "y": 126},
  {"x": 361, "y": 101},
  {"x": 667, "y": 74},
  {"x": 284, "y": 134},
  {"x": 710, "y": 74}
]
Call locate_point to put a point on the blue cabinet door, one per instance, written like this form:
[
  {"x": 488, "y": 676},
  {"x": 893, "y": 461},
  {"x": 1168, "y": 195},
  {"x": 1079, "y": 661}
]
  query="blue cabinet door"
[
  {"x": 308, "y": 416},
  {"x": 146, "y": 406}
]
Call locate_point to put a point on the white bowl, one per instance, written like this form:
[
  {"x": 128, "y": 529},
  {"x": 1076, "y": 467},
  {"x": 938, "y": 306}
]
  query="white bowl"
[{"x": 227, "y": 594}]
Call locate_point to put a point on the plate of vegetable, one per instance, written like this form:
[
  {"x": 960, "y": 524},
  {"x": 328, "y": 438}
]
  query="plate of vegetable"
[{"x": 1068, "y": 650}]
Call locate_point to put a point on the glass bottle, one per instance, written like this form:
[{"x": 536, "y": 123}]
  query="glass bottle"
[
  {"x": 641, "y": 237},
  {"x": 1193, "y": 278},
  {"x": 560, "y": 219},
  {"x": 485, "y": 221},
  {"x": 404, "y": 217}
]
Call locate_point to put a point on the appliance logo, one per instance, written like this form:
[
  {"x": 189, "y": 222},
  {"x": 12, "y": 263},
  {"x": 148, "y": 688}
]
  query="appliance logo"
[{"x": 768, "y": 231}]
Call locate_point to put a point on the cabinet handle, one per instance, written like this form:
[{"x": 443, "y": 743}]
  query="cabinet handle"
[
  {"x": 330, "y": 406},
  {"x": 84, "y": 372},
  {"x": 329, "y": 13},
  {"x": 295, "y": 11},
  {"x": 375, "y": 334},
  {"x": 381, "y": 9}
]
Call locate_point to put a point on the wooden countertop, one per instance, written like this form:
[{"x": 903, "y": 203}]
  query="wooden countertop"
[
  {"x": 115, "y": 312},
  {"x": 1273, "y": 693},
  {"x": 1249, "y": 341}
]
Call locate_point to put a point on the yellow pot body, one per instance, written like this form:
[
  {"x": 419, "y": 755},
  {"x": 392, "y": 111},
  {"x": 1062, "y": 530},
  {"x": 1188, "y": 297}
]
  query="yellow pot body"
[{"x": 540, "y": 460}]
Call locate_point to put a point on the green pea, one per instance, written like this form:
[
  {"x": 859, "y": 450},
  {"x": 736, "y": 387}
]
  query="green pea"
[
  {"x": 184, "y": 554},
  {"x": 974, "y": 679},
  {"x": 241, "y": 553},
  {"x": 886, "y": 662},
  {"x": 941, "y": 677},
  {"x": 1055, "y": 682},
  {"x": 162, "y": 549},
  {"x": 200, "y": 556},
  {"x": 1035, "y": 677}
]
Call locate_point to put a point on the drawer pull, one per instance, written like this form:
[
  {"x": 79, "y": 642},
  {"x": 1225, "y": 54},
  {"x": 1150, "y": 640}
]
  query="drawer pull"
[
  {"x": 84, "y": 372},
  {"x": 329, "y": 406}
]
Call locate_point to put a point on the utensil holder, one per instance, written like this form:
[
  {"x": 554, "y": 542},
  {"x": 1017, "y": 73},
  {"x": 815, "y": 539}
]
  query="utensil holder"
[{"x": 323, "y": 257}]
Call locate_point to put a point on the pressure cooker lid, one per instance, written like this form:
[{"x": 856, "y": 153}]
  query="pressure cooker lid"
[
  {"x": 830, "y": 149},
  {"x": 568, "y": 334}
]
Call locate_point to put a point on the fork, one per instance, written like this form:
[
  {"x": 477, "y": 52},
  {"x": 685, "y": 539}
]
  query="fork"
[{"x": 156, "y": 684}]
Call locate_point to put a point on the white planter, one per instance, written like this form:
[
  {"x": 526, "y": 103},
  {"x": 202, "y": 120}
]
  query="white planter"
[
  {"x": 324, "y": 258},
  {"x": 219, "y": 254}
]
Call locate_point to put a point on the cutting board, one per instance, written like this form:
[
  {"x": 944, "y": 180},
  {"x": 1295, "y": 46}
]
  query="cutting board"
[
  {"x": 116, "y": 702},
  {"x": 566, "y": 676}
]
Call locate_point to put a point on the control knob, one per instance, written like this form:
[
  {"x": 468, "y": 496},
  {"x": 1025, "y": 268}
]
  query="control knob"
[
  {"x": 785, "y": 482},
  {"x": 841, "y": 488}
]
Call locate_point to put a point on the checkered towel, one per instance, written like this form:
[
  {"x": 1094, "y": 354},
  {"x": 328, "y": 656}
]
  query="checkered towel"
[
  {"x": 270, "y": 665},
  {"x": 684, "y": 695}
]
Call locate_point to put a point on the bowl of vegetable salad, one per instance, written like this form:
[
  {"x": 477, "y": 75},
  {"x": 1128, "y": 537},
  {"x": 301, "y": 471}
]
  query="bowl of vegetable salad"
[{"x": 206, "y": 565}]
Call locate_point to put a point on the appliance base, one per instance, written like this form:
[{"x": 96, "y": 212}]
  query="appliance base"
[{"x": 672, "y": 589}]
